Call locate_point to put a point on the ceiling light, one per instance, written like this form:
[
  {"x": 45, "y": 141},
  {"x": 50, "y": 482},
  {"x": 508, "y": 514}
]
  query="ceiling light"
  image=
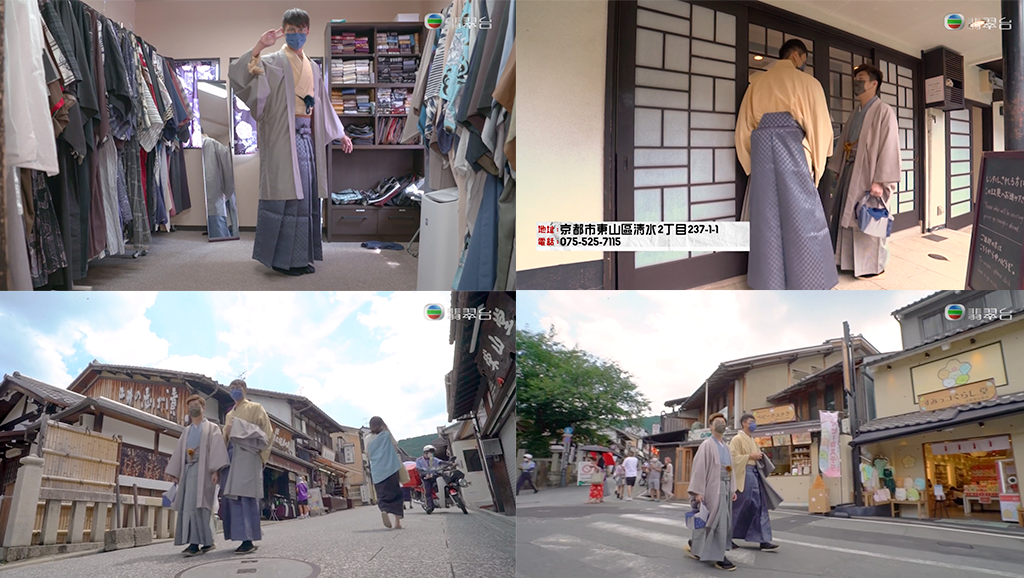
[{"x": 758, "y": 57}]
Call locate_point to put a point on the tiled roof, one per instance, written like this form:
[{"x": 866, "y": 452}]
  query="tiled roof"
[
  {"x": 943, "y": 415},
  {"x": 988, "y": 323},
  {"x": 152, "y": 370},
  {"x": 918, "y": 302},
  {"x": 50, "y": 393}
]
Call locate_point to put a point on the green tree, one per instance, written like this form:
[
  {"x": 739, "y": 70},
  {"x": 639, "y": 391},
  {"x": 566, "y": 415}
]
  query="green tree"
[{"x": 557, "y": 387}]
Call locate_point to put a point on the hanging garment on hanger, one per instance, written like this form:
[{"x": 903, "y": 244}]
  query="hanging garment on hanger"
[
  {"x": 46, "y": 247},
  {"x": 101, "y": 127},
  {"x": 506, "y": 235},
  {"x": 28, "y": 132},
  {"x": 119, "y": 95},
  {"x": 480, "y": 271}
]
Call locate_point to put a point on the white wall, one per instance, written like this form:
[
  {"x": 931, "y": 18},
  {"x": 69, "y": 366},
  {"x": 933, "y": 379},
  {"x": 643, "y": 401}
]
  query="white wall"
[
  {"x": 935, "y": 167},
  {"x": 278, "y": 408},
  {"x": 478, "y": 493},
  {"x": 561, "y": 170},
  {"x": 130, "y": 433},
  {"x": 998, "y": 140},
  {"x": 18, "y": 411},
  {"x": 167, "y": 444}
]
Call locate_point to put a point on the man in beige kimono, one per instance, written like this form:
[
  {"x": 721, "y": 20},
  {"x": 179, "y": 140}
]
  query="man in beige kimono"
[
  {"x": 248, "y": 433},
  {"x": 195, "y": 465},
  {"x": 295, "y": 121},
  {"x": 867, "y": 160},
  {"x": 783, "y": 138},
  {"x": 713, "y": 483}
]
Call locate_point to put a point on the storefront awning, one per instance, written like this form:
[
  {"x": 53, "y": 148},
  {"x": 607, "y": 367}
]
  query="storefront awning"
[
  {"x": 907, "y": 424},
  {"x": 333, "y": 467},
  {"x": 289, "y": 463}
]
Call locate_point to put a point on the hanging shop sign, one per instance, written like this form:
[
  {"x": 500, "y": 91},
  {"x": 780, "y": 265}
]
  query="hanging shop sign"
[
  {"x": 283, "y": 440},
  {"x": 765, "y": 442},
  {"x": 781, "y": 440},
  {"x": 802, "y": 439},
  {"x": 960, "y": 395},
  {"x": 828, "y": 453},
  {"x": 777, "y": 414},
  {"x": 327, "y": 453},
  {"x": 964, "y": 368},
  {"x": 497, "y": 345},
  {"x": 698, "y": 434}
]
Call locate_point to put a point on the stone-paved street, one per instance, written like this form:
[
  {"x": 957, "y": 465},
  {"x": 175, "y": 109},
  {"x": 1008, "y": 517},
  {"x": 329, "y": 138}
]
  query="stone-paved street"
[{"x": 346, "y": 544}]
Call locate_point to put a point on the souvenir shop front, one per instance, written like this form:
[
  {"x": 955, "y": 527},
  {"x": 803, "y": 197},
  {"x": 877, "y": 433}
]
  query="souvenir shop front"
[
  {"x": 135, "y": 160},
  {"x": 794, "y": 449},
  {"x": 279, "y": 478},
  {"x": 963, "y": 470}
]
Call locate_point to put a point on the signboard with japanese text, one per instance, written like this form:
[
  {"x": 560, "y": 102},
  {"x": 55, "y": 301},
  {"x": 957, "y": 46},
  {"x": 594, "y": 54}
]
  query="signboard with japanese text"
[
  {"x": 166, "y": 401},
  {"x": 327, "y": 453},
  {"x": 497, "y": 342},
  {"x": 828, "y": 453},
  {"x": 996, "y": 258},
  {"x": 976, "y": 365},
  {"x": 777, "y": 414},
  {"x": 802, "y": 439},
  {"x": 961, "y": 395},
  {"x": 283, "y": 440},
  {"x": 781, "y": 440},
  {"x": 764, "y": 442}
]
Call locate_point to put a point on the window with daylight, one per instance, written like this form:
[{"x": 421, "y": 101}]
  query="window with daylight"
[
  {"x": 869, "y": 395},
  {"x": 472, "y": 459},
  {"x": 245, "y": 125},
  {"x": 190, "y": 72}
]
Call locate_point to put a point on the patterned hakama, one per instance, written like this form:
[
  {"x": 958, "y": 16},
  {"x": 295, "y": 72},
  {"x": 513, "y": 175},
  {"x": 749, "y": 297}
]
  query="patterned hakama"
[{"x": 288, "y": 232}]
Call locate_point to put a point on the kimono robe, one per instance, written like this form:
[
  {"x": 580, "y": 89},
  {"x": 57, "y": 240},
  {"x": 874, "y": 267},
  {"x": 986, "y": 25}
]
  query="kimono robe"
[
  {"x": 219, "y": 175},
  {"x": 874, "y": 142},
  {"x": 196, "y": 490},
  {"x": 750, "y": 519},
  {"x": 714, "y": 478},
  {"x": 293, "y": 157},
  {"x": 248, "y": 452}
]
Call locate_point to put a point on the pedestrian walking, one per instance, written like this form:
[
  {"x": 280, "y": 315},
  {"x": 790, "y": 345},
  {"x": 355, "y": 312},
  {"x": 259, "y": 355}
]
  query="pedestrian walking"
[
  {"x": 526, "y": 473},
  {"x": 302, "y": 497},
  {"x": 386, "y": 472},
  {"x": 631, "y": 464},
  {"x": 248, "y": 432},
  {"x": 713, "y": 483},
  {"x": 195, "y": 465},
  {"x": 596, "y": 483},
  {"x": 620, "y": 481},
  {"x": 654, "y": 478},
  {"x": 668, "y": 479},
  {"x": 750, "y": 520}
]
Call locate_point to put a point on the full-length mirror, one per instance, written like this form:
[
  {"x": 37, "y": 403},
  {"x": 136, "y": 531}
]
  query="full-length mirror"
[{"x": 218, "y": 170}]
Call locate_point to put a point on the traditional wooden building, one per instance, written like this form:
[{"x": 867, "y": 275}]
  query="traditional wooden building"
[{"x": 482, "y": 385}]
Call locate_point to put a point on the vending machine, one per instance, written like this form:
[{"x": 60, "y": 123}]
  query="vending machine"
[{"x": 1009, "y": 490}]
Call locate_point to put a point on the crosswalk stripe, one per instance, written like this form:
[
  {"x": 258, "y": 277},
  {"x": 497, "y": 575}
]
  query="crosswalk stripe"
[
  {"x": 968, "y": 570},
  {"x": 742, "y": 556},
  {"x": 656, "y": 520},
  {"x": 608, "y": 558}
]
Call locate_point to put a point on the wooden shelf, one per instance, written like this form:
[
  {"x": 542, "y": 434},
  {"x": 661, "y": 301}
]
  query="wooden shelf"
[
  {"x": 406, "y": 115},
  {"x": 360, "y": 55},
  {"x": 381, "y": 147}
]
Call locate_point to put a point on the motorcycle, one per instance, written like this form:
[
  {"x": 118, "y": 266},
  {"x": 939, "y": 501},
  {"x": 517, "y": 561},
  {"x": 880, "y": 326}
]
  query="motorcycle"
[{"x": 454, "y": 480}]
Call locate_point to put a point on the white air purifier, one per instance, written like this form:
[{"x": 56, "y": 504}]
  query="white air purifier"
[{"x": 439, "y": 240}]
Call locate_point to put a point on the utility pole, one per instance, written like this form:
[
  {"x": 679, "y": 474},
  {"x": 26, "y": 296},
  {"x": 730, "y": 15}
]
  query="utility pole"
[
  {"x": 566, "y": 442},
  {"x": 850, "y": 377}
]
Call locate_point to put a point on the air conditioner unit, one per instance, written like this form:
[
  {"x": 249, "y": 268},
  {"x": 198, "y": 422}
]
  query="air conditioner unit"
[
  {"x": 491, "y": 447},
  {"x": 990, "y": 82},
  {"x": 943, "y": 78}
]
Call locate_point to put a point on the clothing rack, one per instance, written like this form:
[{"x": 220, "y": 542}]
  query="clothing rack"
[{"x": 129, "y": 249}]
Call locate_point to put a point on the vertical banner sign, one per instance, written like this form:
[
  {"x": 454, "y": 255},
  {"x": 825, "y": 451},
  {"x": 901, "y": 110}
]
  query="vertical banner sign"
[{"x": 828, "y": 453}]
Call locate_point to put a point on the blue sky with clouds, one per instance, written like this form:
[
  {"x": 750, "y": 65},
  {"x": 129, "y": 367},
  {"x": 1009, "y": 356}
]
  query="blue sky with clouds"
[
  {"x": 354, "y": 354},
  {"x": 671, "y": 341}
]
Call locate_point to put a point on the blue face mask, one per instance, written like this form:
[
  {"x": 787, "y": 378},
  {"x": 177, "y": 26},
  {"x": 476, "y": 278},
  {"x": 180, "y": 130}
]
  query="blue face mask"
[
  {"x": 752, "y": 426},
  {"x": 295, "y": 39},
  {"x": 236, "y": 394}
]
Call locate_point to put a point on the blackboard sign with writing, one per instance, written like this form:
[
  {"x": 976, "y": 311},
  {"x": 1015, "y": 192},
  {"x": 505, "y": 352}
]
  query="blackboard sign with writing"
[{"x": 997, "y": 241}]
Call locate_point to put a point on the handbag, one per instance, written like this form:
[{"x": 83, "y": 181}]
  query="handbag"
[
  {"x": 876, "y": 222},
  {"x": 598, "y": 477},
  {"x": 403, "y": 474},
  {"x": 697, "y": 518}
]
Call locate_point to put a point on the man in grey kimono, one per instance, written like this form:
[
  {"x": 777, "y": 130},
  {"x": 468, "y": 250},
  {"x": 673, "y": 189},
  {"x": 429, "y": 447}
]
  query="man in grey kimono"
[
  {"x": 295, "y": 122},
  {"x": 195, "y": 465},
  {"x": 713, "y": 483},
  {"x": 867, "y": 160}
]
